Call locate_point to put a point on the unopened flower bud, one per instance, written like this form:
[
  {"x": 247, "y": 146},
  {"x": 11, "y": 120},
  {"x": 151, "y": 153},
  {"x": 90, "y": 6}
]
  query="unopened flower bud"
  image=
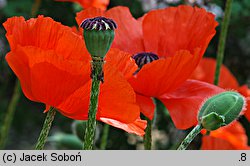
[
  {"x": 220, "y": 110},
  {"x": 98, "y": 35}
]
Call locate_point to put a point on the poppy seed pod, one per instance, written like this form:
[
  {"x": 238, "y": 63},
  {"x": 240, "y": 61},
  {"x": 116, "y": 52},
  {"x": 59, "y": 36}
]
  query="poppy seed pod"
[
  {"x": 220, "y": 110},
  {"x": 98, "y": 35}
]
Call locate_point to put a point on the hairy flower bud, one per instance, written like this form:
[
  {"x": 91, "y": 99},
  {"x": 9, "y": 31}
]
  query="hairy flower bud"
[
  {"x": 98, "y": 35},
  {"x": 220, "y": 110}
]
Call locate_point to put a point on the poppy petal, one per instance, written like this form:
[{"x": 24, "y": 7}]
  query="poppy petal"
[
  {"x": 205, "y": 71},
  {"x": 184, "y": 103},
  {"x": 41, "y": 75},
  {"x": 37, "y": 32},
  {"x": 212, "y": 143},
  {"x": 58, "y": 73},
  {"x": 122, "y": 61},
  {"x": 168, "y": 30},
  {"x": 229, "y": 137},
  {"x": 117, "y": 99},
  {"x": 128, "y": 35},
  {"x": 246, "y": 92},
  {"x": 122, "y": 105},
  {"x": 88, "y": 13},
  {"x": 164, "y": 75},
  {"x": 247, "y": 113},
  {"x": 137, "y": 127},
  {"x": 101, "y": 4},
  {"x": 146, "y": 105}
]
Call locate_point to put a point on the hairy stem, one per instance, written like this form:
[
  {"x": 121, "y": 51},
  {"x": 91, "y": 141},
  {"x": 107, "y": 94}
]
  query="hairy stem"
[
  {"x": 147, "y": 139},
  {"x": 189, "y": 138},
  {"x": 222, "y": 40},
  {"x": 46, "y": 128},
  {"x": 97, "y": 76}
]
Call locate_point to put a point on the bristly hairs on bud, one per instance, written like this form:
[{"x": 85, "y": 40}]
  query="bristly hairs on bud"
[
  {"x": 244, "y": 108},
  {"x": 221, "y": 109},
  {"x": 212, "y": 116}
]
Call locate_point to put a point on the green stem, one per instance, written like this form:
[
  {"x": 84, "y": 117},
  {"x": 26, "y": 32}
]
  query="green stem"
[
  {"x": 97, "y": 76},
  {"x": 147, "y": 139},
  {"x": 222, "y": 40},
  {"x": 9, "y": 115},
  {"x": 189, "y": 138},
  {"x": 46, "y": 128},
  {"x": 104, "y": 137}
]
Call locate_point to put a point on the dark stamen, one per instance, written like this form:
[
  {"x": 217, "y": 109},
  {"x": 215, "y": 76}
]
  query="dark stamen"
[
  {"x": 144, "y": 58},
  {"x": 98, "y": 23}
]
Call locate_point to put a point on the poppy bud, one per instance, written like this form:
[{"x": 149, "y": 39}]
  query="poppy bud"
[
  {"x": 220, "y": 110},
  {"x": 98, "y": 35}
]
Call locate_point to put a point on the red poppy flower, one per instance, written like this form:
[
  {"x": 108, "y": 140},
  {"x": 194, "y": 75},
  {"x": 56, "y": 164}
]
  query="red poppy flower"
[
  {"x": 205, "y": 72},
  {"x": 175, "y": 39},
  {"x": 53, "y": 67},
  {"x": 231, "y": 137},
  {"x": 101, "y": 4}
]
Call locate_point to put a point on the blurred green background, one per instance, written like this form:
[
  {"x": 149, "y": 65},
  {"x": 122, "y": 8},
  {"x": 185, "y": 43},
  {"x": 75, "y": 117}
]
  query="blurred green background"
[{"x": 29, "y": 118}]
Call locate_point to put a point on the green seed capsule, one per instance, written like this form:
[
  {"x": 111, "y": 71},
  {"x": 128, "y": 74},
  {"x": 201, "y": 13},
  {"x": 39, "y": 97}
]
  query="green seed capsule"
[
  {"x": 98, "y": 35},
  {"x": 221, "y": 110},
  {"x": 98, "y": 43}
]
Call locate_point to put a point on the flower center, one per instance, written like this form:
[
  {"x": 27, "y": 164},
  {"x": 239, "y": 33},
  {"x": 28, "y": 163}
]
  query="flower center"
[
  {"x": 144, "y": 58},
  {"x": 98, "y": 23}
]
